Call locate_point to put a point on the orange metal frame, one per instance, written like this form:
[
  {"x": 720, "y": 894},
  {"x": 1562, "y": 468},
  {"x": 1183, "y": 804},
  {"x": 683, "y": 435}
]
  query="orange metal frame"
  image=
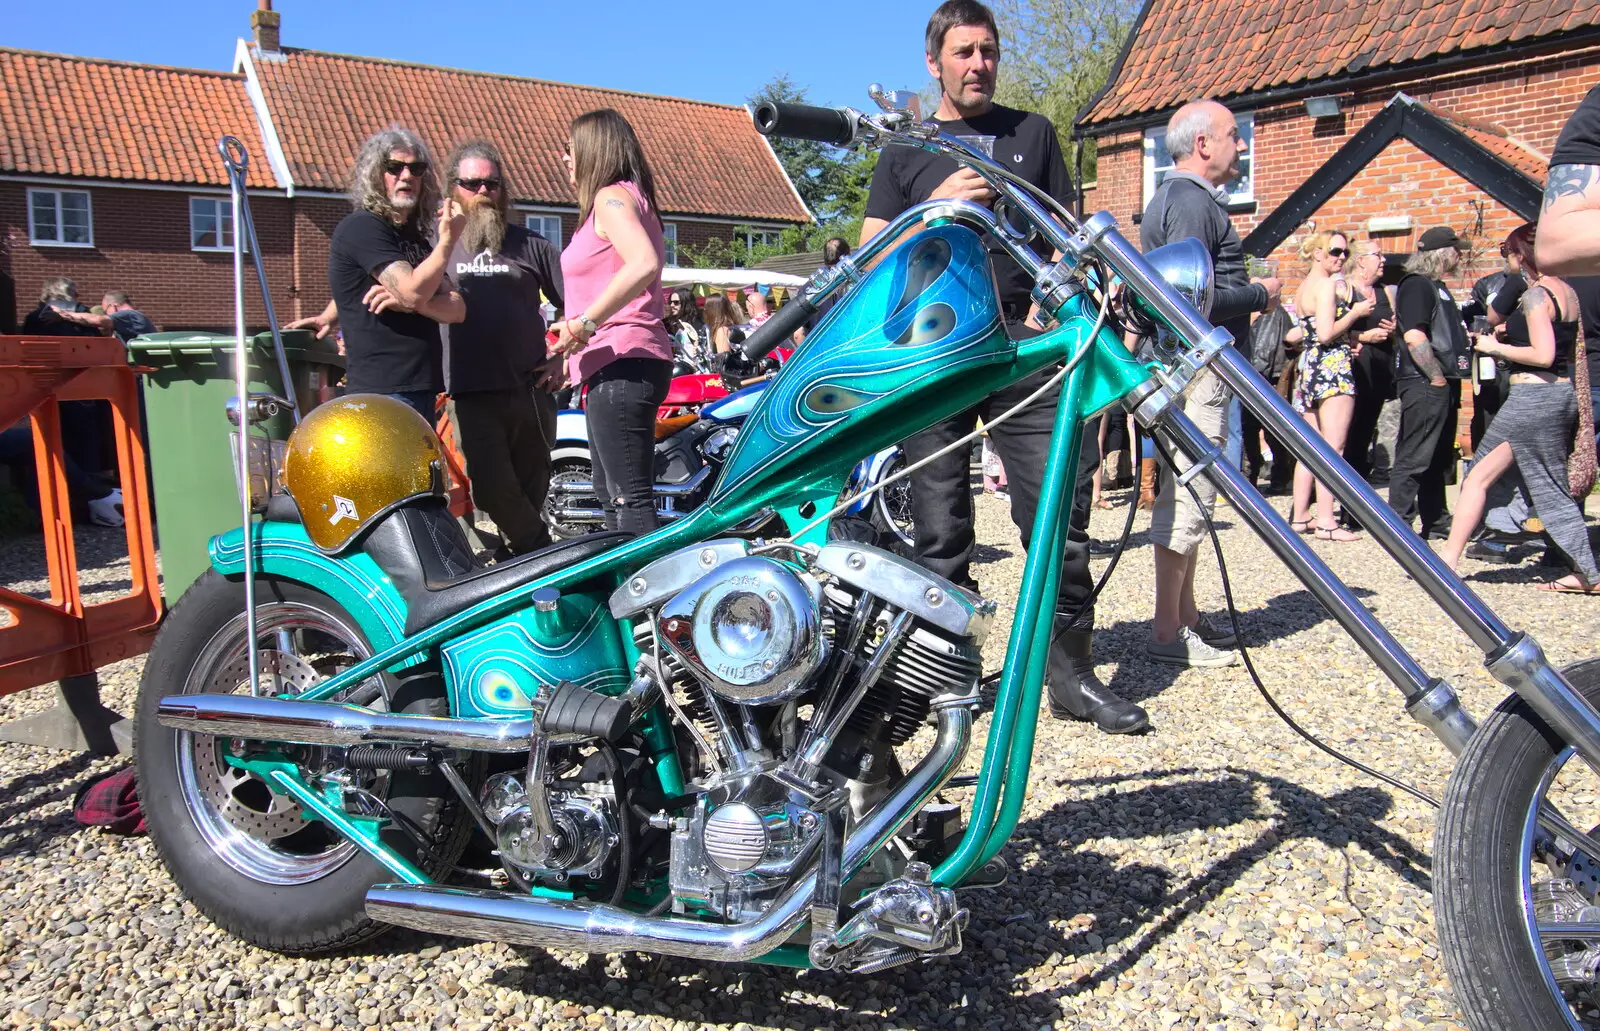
[
  {"x": 63, "y": 637},
  {"x": 455, "y": 463}
]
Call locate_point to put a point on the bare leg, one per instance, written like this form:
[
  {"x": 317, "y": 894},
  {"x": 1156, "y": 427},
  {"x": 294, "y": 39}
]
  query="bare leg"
[
  {"x": 1173, "y": 572},
  {"x": 1303, "y": 480},
  {"x": 1188, "y": 614},
  {"x": 1470, "y": 502},
  {"x": 1333, "y": 420}
]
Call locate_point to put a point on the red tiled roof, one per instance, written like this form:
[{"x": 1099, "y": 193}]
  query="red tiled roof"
[
  {"x": 95, "y": 119},
  {"x": 1183, "y": 49},
  {"x": 1524, "y": 157},
  {"x": 708, "y": 158}
]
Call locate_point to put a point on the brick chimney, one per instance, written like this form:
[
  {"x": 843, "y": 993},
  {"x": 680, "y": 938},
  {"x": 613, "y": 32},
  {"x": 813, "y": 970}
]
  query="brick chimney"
[{"x": 264, "y": 23}]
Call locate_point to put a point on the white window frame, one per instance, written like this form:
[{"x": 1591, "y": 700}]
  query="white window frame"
[
  {"x": 767, "y": 237},
  {"x": 56, "y": 194},
  {"x": 1240, "y": 192},
  {"x": 538, "y": 222},
  {"x": 669, "y": 237},
  {"x": 224, "y": 225}
]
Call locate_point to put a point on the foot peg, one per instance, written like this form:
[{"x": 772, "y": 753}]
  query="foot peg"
[{"x": 908, "y": 918}]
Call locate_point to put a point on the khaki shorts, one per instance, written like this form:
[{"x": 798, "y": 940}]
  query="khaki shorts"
[{"x": 1176, "y": 523}]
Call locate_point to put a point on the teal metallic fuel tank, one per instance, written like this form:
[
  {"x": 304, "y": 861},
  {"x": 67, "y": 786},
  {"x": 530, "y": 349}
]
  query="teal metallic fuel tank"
[{"x": 891, "y": 352}]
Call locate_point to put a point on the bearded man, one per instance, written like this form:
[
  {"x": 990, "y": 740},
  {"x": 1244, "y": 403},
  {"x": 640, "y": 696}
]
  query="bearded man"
[
  {"x": 496, "y": 368},
  {"x": 386, "y": 265}
]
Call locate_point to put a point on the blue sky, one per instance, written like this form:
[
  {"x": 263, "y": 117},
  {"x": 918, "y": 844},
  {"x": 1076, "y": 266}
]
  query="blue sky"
[{"x": 713, "y": 50}]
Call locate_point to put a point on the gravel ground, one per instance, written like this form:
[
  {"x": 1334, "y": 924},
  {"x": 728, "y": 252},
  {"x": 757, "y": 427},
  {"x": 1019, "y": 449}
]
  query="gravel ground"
[{"x": 1216, "y": 873}]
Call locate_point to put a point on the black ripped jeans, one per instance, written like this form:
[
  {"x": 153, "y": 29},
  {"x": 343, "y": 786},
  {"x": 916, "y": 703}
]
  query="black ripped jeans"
[{"x": 621, "y": 411}]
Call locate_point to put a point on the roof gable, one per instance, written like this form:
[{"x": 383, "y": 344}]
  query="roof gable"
[
  {"x": 1485, "y": 155},
  {"x": 1183, "y": 49},
  {"x": 708, "y": 158},
  {"x": 97, "y": 119}
]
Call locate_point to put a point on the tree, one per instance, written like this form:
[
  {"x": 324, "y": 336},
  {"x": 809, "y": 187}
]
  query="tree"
[
  {"x": 1056, "y": 54},
  {"x": 832, "y": 182}
]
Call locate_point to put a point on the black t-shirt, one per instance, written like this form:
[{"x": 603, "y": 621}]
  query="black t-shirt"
[
  {"x": 1376, "y": 359},
  {"x": 129, "y": 323},
  {"x": 1507, "y": 295},
  {"x": 1414, "y": 303},
  {"x": 45, "y": 321},
  {"x": 396, "y": 351},
  {"x": 1579, "y": 142},
  {"x": 501, "y": 340},
  {"x": 1588, "y": 291},
  {"x": 1023, "y": 142}
]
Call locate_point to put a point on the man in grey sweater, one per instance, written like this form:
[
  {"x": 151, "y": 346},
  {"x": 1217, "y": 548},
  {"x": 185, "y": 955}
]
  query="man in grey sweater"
[{"x": 1203, "y": 138}]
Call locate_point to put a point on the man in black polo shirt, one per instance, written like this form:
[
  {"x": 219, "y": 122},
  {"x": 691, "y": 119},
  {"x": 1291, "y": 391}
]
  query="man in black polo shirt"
[
  {"x": 387, "y": 278},
  {"x": 963, "y": 52},
  {"x": 495, "y": 357},
  {"x": 1425, "y": 446}
]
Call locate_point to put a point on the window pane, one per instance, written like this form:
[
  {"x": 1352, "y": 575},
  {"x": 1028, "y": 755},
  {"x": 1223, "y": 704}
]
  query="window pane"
[
  {"x": 44, "y": 216},
  {"x": 669, "y": 236},
  {"x": 225, "y": 222},
  {"x": 202, "y": 224},
  {"x": 75, "y": 217}
]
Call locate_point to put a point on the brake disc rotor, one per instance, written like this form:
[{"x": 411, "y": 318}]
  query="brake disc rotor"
[{"x": 243, "y": 800}]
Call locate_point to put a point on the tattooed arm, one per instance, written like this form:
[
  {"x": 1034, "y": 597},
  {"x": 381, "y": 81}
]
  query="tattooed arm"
[
  {"x": 1568, "y": 241},
  {"x": 1422, "y": 356}
]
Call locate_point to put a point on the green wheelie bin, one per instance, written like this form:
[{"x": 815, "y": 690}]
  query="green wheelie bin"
[{"x": 192, "y": 443}]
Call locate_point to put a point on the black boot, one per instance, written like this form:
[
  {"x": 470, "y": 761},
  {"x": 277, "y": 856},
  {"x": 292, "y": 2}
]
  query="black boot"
[{"x": 1075, "y": 693}]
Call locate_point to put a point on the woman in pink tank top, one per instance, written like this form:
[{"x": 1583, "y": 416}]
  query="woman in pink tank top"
[{"x": 613, "y": 336}]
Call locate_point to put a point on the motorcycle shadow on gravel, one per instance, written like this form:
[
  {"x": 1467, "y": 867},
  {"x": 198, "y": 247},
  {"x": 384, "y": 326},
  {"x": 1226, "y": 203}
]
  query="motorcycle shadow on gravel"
[
  {"x": 23, "y": 831},
  {"x": 1064, "y": 905},
  {"x": 1138, "y": 677}
]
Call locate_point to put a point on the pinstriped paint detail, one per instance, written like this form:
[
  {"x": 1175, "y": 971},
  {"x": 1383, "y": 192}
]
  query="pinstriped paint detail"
[
  {"x": 926, "y": 313},
  {"x": 353, "y": 580},
  {"x": 495, "y": 672}
]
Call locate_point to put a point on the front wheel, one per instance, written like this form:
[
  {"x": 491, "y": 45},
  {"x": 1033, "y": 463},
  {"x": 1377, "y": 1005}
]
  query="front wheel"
[
  {"x": 1517, "y": 901},
  {"x": 891, "y": 510},
  {"x": 240, "y": 851}
]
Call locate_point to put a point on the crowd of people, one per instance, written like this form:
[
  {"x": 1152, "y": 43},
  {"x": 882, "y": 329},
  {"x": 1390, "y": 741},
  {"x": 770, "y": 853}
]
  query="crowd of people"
[{"x": 435, "y": 292}]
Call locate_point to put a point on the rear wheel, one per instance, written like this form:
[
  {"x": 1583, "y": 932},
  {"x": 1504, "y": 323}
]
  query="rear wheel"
[
  {"x": 1517, "y": 894},
  {"x": 891, "y": 510},
  {"x": 239, "y": 850}
]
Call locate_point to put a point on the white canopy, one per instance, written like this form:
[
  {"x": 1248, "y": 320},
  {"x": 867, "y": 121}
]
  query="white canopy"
[{"x": 727, "y": 278}]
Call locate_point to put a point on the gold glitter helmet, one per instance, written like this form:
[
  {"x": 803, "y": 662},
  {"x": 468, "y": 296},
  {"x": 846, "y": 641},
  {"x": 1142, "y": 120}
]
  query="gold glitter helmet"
[{"x": 354, "y": 459}]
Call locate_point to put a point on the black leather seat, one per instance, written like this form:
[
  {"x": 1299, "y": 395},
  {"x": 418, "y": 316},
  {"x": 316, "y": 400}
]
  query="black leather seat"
[
  {"x": 282, "y": 509},
  {"x": 425, "y": 552}
]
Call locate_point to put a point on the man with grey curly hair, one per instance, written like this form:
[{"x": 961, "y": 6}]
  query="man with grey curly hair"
[{"x": 386, "y": 271}]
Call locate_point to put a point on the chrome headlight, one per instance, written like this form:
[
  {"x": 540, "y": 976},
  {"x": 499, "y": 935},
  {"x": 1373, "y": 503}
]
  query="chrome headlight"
[
  {"x": 751, "y": 630},
  {"x": 1186, "y": 267}
]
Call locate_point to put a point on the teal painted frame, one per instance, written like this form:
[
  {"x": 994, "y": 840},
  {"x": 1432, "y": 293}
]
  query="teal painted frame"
[{"x": 788, "y": 460}]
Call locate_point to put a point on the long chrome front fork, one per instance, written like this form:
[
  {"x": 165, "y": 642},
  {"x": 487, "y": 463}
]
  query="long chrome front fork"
[{"x": 1513, "y": 658}]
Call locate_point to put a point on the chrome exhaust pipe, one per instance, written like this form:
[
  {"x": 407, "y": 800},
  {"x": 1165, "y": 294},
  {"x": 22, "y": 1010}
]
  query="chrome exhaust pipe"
[
  {"x": 594, "y": 927},
  {"x": 585, "y": 488},
  {"x": 328, "y": 723}
]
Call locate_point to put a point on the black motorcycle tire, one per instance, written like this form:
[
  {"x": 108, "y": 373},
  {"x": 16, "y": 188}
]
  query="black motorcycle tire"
[
  {"x": 1484, "y": 940},
  {"x": 319, "y": 915}
]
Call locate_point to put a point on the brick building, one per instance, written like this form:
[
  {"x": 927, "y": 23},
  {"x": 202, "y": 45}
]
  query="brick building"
[
  {"x": 109, "y": 172},
  {"x": 1380, "y": 117}
]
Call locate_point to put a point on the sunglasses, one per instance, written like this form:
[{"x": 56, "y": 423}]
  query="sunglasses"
[
  {"x": 474, "y": 185},
  {"x": 1337, "y": 252},
  {"x": 417, "y": 167}
]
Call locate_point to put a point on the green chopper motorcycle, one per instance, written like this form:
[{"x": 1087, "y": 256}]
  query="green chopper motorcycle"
[{"x": 685, "y": 743}]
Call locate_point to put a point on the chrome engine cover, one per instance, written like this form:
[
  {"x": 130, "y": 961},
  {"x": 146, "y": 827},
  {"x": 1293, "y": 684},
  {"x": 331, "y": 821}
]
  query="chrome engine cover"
[
  {"x": 739, "y": 846},
  {"x": 751, "y": 630}
]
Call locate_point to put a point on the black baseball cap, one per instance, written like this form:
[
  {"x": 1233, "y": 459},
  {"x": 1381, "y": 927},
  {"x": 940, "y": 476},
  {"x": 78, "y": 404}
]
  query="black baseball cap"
[{"x": 1440, "y": 237}]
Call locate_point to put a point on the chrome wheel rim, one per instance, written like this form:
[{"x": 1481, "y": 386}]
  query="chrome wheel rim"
[
  {"x": 1563, "y": 861},
  {"x": 256, "y": 831},
  {"x": 566, "y": 472},
  {"x": 894, "y": 504}
]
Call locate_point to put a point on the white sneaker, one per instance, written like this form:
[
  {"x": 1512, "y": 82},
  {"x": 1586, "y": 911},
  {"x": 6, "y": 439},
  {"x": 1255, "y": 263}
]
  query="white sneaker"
[
  {"x": 1188, "y": 650},
  {"x": 1217, "y": 637},
  {"x": 107, "y": 511}
]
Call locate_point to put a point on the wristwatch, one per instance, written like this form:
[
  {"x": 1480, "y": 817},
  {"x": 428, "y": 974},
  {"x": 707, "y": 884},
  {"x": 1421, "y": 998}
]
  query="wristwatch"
[{"x": 589, "y": 325}]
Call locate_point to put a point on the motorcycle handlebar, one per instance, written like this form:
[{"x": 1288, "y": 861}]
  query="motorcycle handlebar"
[
  {"x": 803, "y": 122},
  {"x": 773, "y": 332}
]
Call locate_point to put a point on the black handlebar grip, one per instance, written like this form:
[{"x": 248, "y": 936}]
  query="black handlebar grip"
[
  {"x": 578, "y": 710},
  {"x": 773, "y": 332},
  {"x": 804, "y": 122}
]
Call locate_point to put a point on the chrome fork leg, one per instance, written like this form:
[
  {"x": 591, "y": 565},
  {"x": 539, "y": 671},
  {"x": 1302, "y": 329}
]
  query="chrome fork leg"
[
  {"x": 1512, "y": 658},
  {"x": 1430, "y": 700}
]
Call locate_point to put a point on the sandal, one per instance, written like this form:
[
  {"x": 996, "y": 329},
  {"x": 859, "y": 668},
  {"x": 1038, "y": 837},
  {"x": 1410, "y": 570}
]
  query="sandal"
[
  {"x": 1561, "y": 587},
  {"x": 1332, "y": 533},
  {"x": 1300, "y": 526},
  {"x": 1103, "y": 503}
]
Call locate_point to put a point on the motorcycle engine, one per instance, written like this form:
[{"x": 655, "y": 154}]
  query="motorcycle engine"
[{"x": 797, "y": 679}]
